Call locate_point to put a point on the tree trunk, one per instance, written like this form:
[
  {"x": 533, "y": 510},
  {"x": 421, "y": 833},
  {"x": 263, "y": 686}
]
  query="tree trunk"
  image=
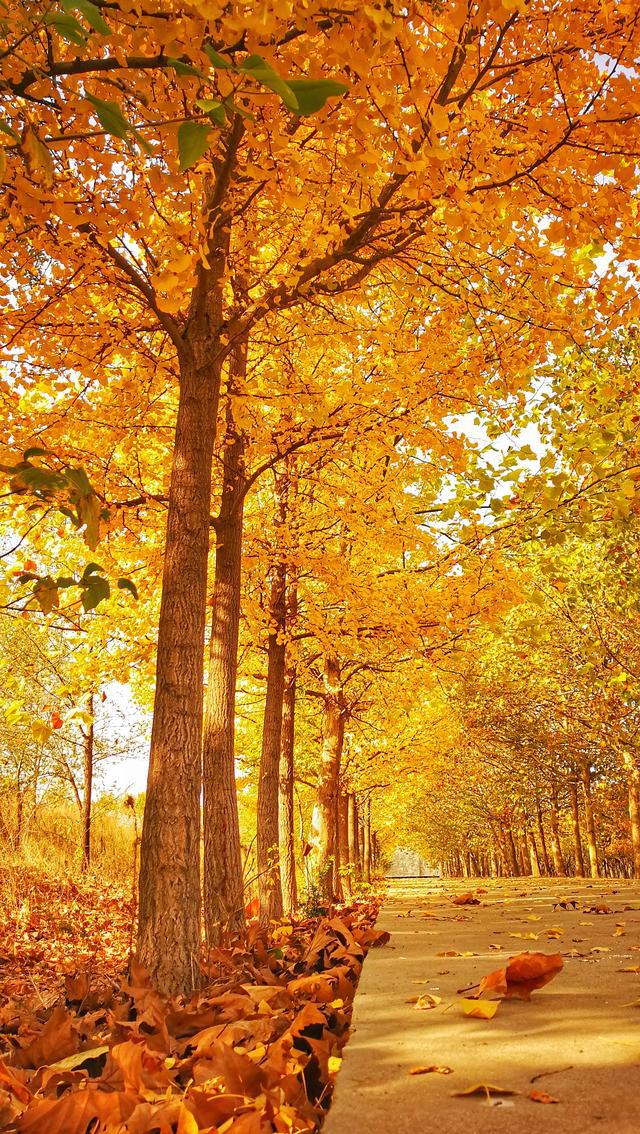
[
  {"x": 323, "y": 834},
  {"x": 169, "y": 914},
  {"x": 532, "y": 851},
  {"x": 345, "y": 847},
  {"x": 575, "y": 819},
  {"x": 87, "y": 763},
  {"x": 352, "y": 835},
  {"x": 169, "y": 938},
  {"x": 633, "y": 782},
  {"x": 267, "y": 842},
  {"x": 222, "y": 873},
  {"x": 511, "y": 849},
  {"x": 545, "y": 864},
  {"x": 285, "y": 809},
  {"x": 366, "y": 855},
  {"x": 592, "y": 846},
  {"x": 556, "y": 848}
]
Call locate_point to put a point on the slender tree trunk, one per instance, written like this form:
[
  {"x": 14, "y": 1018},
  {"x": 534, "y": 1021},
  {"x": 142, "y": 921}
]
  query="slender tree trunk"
[
  {"x": 511, "y": 847},
  {"x": 285, "y": 807},
  {"x": 323, "y": 834},
  {"x": 532, "y": 851},
  {"x": 556, "y": 848},
  {"x": 87, "y": 790},
  {"x": 345, "y": 843},
  {"x": 354, "y": 855},
  {"x": 592, "y": 845},
  {"x": 633, "y": 783},
  {"x": 575, "y": 819},
  {"x": 337, "y": 851},
  {"x": 222, "y": 863},
  {"x": 545, "y": 864},
  {"x": 267, "y": 843},
  {"x": 366, "y": 853}
]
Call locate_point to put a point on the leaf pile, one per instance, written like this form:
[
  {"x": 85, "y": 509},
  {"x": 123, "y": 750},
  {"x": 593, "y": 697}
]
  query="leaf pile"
[
  {"x": 52, "y": 927},
  {"x": 255, "y": 1052}
]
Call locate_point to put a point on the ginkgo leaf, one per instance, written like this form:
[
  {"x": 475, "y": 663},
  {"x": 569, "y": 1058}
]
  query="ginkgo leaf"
[
  {"x": 480, "y": 1009},
  {"x": 433, "y": 1070},
  {"x": 193, "y": 142}
]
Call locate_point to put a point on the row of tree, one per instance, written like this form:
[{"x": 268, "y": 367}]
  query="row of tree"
[{"x": 255, "y": 264}]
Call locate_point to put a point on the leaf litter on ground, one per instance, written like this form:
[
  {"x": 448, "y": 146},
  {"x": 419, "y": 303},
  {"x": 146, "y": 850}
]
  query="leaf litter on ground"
[{"x": 257, "y": 1050}]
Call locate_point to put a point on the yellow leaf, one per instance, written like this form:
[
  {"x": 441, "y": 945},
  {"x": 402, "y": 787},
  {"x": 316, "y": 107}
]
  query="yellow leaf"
[{"x": 480, "y": 1009}]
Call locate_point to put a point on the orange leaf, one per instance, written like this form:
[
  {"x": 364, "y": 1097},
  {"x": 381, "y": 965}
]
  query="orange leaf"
[
  {"x": 523, "y": 974},
  {"x": 542, "y": 1097}
]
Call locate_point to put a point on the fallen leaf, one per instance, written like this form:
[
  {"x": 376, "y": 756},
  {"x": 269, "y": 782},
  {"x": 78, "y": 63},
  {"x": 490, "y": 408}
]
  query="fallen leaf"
[
  {"x": 542, "y": 1097},
  {"x": 526, "y": 936},
  {"x": 480, "y": 1009},
  {"x": 427, "y": 1001},
  {"x": 467, "y": 899},
  {"x": 486, "y": 1089},
  {"x": 522, "y": 975},
  {"x": 431, "y": 1071}
]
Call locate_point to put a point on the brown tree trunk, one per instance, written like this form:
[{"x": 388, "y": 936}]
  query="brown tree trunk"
[
  {"x": 511, "y": 849},
  {"x": 575, "y": 819},
  {"x": 633, "y": 783},
  {"x": 532, "y": 851},
  {"x": 556, "y": 848},
  {"x": 222, "y": 863},
  {"x": 323, "y": 834},
  {"x": 285, "y": 808},
  {"x": 268, "y": 834},
  {"x": 169, "y": 913},
  {"x": 366, "y": 853},
  {"x": 592, "y": 846},
  {"x": 545, "y": 864},
  {"x": 354, "y": 848},
  {"x": 87, "y": 788},
  {"x": 343, "y": 839},
  {"x": 169, "y": 938}
]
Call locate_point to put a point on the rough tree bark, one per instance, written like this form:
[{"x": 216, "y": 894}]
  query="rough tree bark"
[
  {"x": 267, "y": 842},
  {"x": 169, "y": 938},
  {"x": 222, "y": 863},
  {"x": 323, "y": 834}
]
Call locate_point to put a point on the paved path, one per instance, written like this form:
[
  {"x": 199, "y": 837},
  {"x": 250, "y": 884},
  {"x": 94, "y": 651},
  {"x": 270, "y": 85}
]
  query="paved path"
[{"x": 580, "y": 1033}]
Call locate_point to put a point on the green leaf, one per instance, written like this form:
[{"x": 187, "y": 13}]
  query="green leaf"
[
  {"x": 193, "y": 142},
  {"x": 257, "y": 68},
  {"x": 213, "y": 108},
  {"x": 181, "y": 68},
  {"x": 36, "y": 452},
  {"x": 78, "y": 479},
  {"x": 96, "y": 590},
  {"x": 90, "y": 12},
  {"x": 92, "y": 569},
  {"x": 5, "y": 128},
  {"x": 110, "y": 116},
  {"x": 218, "y": 62},
  {"x": 67, "y": 27},
  {"x": 311, "y": 94},
  {"x": 128, "y": 585}
]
